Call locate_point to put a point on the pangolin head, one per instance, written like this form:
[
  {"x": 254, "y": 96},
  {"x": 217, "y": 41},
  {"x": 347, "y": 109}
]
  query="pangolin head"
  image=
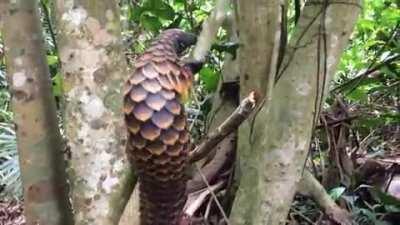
[{"x": 181, "y": 40}]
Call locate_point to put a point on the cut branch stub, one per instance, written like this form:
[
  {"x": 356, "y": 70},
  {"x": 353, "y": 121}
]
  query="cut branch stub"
[{"x": 231, "y": 124}]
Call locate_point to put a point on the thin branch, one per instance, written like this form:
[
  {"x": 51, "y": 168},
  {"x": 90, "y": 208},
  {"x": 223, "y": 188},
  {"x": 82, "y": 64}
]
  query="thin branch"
[
  {"x": 367, "y": 72},
  {"x": 301, "y": 214},
  {"x": 241, "y": 113},
  {"x": 371, "y": 68},
  {"x": 296, "y": 47},
  {"x": 297, "y": 10},
  {"x": 332, "y": 123},
  {"x": 214, "y": 196},
  {"x": 210, "y": 29},
  {"x": 224, "y": 154},
  {"x": 197, "y": 199},
  {"x": 50, "y": 25}
]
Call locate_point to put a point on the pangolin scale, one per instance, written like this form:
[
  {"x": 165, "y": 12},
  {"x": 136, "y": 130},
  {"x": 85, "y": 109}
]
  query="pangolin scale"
[{"x": 158, "y": 138}]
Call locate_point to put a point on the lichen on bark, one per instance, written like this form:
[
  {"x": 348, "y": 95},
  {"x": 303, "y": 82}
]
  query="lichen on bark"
[{"x": 94, "y": 69}]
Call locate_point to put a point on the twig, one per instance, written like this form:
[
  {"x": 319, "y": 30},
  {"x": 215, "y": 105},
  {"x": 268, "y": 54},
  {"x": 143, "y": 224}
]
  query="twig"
[
  {"x": 214, "y": 196},
  {"x": 367, "y": 72},
  {"x": 371, "y": 68},
  {"x": 50, "y": 26},
  {"x": 240, "y": 114},
  {"x": 224, "y": 153},
  {"x": 209, "y": 30},
  {"x": 297, "y": 10},
  {"x": 331, "y": 123},
  {"x": 299, "y": 213},
  {"x": 208, "y": 209},
  {"x": 199, "y": 198}
]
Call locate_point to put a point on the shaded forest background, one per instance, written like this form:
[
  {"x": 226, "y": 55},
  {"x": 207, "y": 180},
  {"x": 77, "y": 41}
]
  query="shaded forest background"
[{"x": 355, "y": 150}]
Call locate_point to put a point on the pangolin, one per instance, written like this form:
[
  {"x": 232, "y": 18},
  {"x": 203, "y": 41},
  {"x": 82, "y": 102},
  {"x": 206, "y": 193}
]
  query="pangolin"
[{"x": 158, "y": 138}]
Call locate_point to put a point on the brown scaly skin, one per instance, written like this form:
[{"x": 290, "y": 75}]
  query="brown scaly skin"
[{"x": 157, "y": 132}]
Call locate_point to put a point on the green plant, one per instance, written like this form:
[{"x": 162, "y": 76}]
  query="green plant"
[{"x": 10, "y": 177}]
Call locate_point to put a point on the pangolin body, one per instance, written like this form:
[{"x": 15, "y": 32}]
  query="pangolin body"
[{"x": 157, "y": 133}]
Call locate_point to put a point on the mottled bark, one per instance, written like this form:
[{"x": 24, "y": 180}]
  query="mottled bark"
[
  {"x": 259, "y": 24},
  {"x": 94, "y": 68},
  {"x": 38, "y": 136},
  {"x": 272, "y": 166}
]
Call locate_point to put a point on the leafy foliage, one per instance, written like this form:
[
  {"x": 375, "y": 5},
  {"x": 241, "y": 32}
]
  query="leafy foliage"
[
  {"x": 369, "y": 69},
  {"x": 10, "y": 178}
]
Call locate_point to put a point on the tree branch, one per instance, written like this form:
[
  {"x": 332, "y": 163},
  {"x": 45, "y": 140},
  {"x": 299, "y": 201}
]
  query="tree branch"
[
  {"x": 210, "y": 29},
  {"x": 332, "y": 123},
  {"x": 367, "y": 72},
  {"x": 241, "y": 113},
  {"x": 50, "y": 25},
  {"x": 310, "y": 186}
]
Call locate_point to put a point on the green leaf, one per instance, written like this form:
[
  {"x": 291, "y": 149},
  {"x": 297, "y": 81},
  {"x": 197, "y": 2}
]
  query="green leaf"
[
  {"x": 358, "y": 94},
  {"x": 135, "y": 13},
  {"x": 164, "y": 11},
  {"x": 52, "y": 60},
  {"x": 384, "y": 197},
  {"x": 366, "y": 24},
  {"x": 336, "y": 192},
  {"x": 210, "y": 78},
  {"x": 150, "y": 22}
]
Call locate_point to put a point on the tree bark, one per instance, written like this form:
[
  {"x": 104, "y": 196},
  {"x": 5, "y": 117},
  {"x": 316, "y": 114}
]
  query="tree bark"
[
  {"x": 39, "y": 140},
  {"x": 259, "y": 28},
  {"x": 94, "y": 68},
  {"x": 3, "y": 10},
  {"x": 273, "y": 163}
]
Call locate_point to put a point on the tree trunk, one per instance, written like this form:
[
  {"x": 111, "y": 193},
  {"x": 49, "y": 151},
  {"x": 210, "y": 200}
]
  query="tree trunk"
[
  {"x": 38, "y": 136},
  {"x": 94, "y": 68},
  {"x": 259, "y": 28},
  {"x": 273, "y": 165}
]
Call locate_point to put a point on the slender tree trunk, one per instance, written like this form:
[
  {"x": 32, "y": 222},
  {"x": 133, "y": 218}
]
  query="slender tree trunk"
[
  {"x": 274, "y": 162},
  {"x": 94, "y": 68},
  {"x": 39, "y": 140},
  {"x": 259, "y": 29}
]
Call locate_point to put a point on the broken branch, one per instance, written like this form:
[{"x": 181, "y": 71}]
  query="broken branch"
[{"x": 241, "y": 113}]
